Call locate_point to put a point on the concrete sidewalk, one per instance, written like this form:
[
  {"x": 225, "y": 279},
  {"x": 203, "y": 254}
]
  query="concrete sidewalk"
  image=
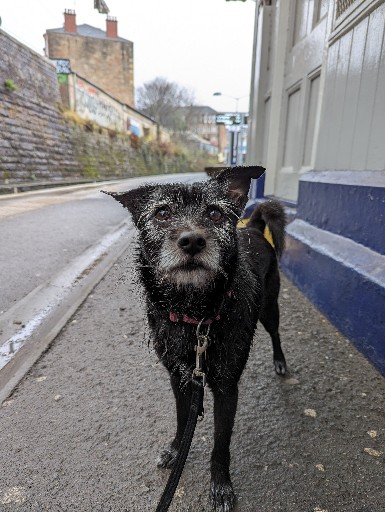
[{"x": 83, "y": 429}]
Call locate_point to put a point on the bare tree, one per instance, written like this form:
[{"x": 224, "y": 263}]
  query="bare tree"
[{"x": 161, "y": 99}]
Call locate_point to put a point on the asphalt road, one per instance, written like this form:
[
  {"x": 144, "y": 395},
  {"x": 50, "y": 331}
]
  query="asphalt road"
[{"x": 82, "y": 431}]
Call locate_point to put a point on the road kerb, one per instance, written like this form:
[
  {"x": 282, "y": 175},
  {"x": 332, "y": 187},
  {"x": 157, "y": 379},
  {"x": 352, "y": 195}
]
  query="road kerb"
[{"x": 28, "y": 328}]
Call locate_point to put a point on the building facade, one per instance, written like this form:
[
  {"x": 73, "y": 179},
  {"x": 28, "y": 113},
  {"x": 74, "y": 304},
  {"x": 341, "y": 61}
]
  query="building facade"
[
  {"x": 317, "y": 124},
  {"x": 103, "y": 58},
  {"x": 201, "y": 120}
]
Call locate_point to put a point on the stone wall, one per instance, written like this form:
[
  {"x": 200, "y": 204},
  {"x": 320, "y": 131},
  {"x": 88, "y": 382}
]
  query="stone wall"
[
  {"x": 35, "y": 141},
  {"x": 108, "y": 154},
  {"x": 105, "y": 153},
  {"x": 38, "y": 142}
]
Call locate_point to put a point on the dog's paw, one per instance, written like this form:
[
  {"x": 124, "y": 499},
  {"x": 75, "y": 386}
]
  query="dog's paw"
[
  {"x": 280, "y": 366},
  {"x": 167, "y": 458},
  {"x": 222, "y": 496}
]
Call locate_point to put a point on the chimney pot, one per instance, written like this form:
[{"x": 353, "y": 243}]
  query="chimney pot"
[
  {"x": 69, "y": 21},
  {"x": 111, "y": 27}
]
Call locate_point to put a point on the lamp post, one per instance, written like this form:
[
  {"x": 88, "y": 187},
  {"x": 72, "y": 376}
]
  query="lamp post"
[
  {"x": 234, "y": 131},
  {"x": 236, "y": 98}
]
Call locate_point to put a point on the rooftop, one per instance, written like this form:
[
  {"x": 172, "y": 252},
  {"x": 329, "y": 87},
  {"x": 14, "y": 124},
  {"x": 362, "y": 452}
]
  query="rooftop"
[
  {"x": 197, "y": 109},
  {"x": 88, "y": 31}
]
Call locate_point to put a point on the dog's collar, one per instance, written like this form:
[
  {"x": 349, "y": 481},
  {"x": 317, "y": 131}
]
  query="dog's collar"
[
  {"x": 188, "y": 320},
  {"x": 174, "y": 317}
]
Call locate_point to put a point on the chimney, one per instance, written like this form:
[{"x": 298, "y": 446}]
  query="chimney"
[
  {"x": 112, "y": 27},
  {"x": 69, "y": 21}
]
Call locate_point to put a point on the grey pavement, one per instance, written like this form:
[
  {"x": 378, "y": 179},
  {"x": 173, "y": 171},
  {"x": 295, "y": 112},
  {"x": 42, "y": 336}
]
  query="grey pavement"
[{"x": 82, "y": 430}]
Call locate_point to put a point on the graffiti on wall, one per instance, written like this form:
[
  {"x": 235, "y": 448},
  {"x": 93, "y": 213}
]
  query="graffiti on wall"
[{"x": 94, "y": 105}]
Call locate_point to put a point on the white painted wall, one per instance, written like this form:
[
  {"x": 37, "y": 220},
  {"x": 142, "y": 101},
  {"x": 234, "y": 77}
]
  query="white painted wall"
[
  {"x": 318, "y": 99},
  {"x": 352, "y": 130}
]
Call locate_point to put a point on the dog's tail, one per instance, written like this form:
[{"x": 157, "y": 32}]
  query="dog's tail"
[{"x": 271, "y": 214}]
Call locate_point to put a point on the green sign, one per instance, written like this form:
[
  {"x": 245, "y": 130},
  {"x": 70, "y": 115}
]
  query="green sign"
[{"x": 228, "y": 119}]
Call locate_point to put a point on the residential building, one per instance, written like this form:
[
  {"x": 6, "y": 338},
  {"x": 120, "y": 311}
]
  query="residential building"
[
  {"x": 101, "y": 57},
  {"x": 201, "y": 120}
]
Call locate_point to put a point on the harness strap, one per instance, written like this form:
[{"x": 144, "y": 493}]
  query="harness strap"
[{"x": 196, "y": 409}]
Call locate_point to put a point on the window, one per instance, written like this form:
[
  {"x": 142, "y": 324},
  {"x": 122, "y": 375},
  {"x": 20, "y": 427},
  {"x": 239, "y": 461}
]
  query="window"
[
  {"x": 292, "y": 129},
  {"x": 322, "y": 9},
  {"x": 302, "y": 8},
  {"x": 310, "y": 121}
]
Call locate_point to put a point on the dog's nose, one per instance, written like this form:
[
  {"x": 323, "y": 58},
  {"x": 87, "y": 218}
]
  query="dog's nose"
[{"x": 191, "y": 242}]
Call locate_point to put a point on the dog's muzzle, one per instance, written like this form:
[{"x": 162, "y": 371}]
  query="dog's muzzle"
[{"x": 189, "y": 259}]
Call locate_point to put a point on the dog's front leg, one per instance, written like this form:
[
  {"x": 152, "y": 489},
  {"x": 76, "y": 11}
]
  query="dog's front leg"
[
  {"x": 182, "y": 401},
  {"x": 221, "y": 492}
]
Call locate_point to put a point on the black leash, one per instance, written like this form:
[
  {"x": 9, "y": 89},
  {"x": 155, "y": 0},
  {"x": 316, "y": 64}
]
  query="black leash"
[
  {"x": 196, "y": 409},
  {"x": 198, "y": 383}
]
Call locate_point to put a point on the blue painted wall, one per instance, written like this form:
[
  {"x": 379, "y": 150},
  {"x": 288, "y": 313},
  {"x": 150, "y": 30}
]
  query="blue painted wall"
[
  {"x": 336, "y": 253},
  {"x": 350, "y": 203}
]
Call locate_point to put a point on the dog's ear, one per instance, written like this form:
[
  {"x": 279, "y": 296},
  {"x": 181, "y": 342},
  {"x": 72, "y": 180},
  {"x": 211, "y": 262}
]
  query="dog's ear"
[
  {"x": 134, "y": 200},
  {"x": 237, "y": 181}
]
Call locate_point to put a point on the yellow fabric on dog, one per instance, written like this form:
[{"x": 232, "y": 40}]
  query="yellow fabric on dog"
[
  {"x": 242, "y": 223},
  {"x": 266, "y": 233},
  {"x": 269, "y": 237}
]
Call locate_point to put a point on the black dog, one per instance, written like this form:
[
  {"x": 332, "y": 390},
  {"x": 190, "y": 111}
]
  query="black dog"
[{"x": 195, "y": 264}]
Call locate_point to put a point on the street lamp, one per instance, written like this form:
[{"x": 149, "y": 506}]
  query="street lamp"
[{"x": 236, "y": 98}]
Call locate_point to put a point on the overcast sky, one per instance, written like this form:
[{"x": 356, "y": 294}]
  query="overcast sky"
[{"x": 205, "y": 45}]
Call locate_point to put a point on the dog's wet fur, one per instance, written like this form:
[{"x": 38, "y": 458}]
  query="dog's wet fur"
[{"x": 194, "y": 261}]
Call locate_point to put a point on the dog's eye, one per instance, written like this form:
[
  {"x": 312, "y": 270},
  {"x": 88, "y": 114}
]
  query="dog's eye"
[
  {"x": 163, "y": 214},
  {"x": 215, "y": 215}
]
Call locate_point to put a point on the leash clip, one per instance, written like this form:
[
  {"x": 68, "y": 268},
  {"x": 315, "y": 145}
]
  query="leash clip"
[
  {"x": 200, "y": 349},
  {"x": 200, "y": 374}
]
